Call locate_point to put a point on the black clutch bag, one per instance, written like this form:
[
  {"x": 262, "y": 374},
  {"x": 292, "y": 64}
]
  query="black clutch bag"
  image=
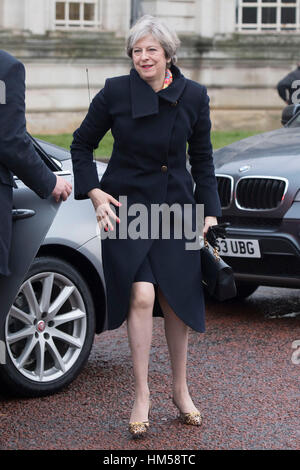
[{"x": 217, "y": 276}]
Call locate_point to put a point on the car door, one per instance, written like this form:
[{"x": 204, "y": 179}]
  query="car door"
[{"x": 32, "y": 218}]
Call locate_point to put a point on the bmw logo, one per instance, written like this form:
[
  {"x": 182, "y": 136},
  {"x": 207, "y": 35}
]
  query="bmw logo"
[{"x": 244, "y": 168}]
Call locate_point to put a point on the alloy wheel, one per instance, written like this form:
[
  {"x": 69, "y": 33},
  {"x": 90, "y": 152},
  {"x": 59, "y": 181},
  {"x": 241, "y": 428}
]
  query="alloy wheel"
[{"x": 46, "y": 327}]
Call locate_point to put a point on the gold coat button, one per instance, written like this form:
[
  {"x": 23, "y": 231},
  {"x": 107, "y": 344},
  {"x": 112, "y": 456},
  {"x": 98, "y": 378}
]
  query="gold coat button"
[
  {"x": 164, "y": 168},
  {"x": 175, "y": 103}
]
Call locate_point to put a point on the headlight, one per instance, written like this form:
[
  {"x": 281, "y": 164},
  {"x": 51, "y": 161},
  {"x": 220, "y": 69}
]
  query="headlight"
[{"x": 297, "y": 197}]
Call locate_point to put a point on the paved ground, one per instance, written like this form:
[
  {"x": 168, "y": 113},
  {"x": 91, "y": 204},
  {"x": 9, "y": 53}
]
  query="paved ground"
[{"x": 241, "y": 376}]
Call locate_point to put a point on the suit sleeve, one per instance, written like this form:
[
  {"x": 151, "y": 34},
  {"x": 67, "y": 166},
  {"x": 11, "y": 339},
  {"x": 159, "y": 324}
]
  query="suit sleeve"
[
  {"x": 85, "y": 140},
  {"x": 17, "y": 151},
  {"x": 201, "y": 160}
]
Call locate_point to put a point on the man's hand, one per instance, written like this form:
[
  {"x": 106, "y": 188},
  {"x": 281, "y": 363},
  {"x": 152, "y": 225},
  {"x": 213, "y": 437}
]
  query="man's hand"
[{"x": 62, "y": 189}]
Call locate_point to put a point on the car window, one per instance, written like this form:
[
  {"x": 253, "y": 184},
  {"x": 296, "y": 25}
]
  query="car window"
[
  {"x": 50, "y": 162},
  {"x": 54, "y": 151},
  {"x": 296, "y": 121}
]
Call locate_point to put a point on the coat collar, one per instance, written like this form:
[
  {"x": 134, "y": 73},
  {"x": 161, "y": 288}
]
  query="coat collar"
[{"x": 145, "y": 101}]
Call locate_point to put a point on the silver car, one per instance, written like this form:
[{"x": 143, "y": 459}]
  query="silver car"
[{"x": 54, "y": 302}]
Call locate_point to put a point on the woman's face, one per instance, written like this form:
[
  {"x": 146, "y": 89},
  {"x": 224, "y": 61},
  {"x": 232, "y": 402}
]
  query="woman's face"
[{"x": 149, "y": 58}]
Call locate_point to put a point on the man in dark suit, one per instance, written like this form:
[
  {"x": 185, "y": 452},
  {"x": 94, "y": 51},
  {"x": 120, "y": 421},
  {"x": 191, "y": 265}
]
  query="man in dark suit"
[
  {"x": 288, "y": 88},
  {"x": 17, "y": 153}
]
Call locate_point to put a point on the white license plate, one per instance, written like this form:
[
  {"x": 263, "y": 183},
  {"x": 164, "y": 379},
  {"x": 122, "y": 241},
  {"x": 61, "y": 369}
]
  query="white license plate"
[{"x": 239, "y": 247}]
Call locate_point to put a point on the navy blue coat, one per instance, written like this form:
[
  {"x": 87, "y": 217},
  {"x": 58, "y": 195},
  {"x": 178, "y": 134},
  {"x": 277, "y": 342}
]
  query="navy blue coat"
[
  {"x": 17, "y": 154},
  {"x": 150, "y": 132}
]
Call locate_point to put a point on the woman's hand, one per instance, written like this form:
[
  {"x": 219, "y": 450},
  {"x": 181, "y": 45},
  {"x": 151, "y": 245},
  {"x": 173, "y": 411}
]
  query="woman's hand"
[
  {"x": 208, "y": 222},
  {"x": 101, "y": 201}
]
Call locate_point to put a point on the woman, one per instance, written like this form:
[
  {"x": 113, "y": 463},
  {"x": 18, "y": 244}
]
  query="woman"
[{"x": 152, "y": 113}]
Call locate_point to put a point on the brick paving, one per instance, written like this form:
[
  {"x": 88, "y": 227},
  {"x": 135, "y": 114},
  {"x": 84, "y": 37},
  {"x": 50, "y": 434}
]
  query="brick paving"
[{"x": 240, "y": 375}]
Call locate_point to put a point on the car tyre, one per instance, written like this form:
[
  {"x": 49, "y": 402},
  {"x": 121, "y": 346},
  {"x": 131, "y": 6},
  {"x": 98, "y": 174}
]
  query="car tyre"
[{"x": 54, "y": 308}]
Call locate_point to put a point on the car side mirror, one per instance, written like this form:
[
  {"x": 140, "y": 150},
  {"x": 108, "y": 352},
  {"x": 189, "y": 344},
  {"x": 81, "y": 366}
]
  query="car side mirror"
[{"x": 289, "y": 112}]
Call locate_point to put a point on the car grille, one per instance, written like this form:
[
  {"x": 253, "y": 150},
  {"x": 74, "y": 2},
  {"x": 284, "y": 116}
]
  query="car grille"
[
  {"x": 225, "y": 184},
  {"x": 260, "y": 193},
  {"x": 251, "y": 222}
]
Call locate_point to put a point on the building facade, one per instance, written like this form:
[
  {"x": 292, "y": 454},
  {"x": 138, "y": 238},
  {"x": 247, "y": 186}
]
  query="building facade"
[{"x": 239, "y": 49}]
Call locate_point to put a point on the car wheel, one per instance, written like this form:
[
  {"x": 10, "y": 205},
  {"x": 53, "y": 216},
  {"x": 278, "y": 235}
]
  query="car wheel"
[
  {"x": 49, "y": 330},
  {"x": 245, "y": 290}
]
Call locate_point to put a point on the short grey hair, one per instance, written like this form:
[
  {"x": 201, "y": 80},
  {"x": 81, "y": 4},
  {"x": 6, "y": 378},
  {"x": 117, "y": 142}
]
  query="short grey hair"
[{"x": 148, "y": 24}]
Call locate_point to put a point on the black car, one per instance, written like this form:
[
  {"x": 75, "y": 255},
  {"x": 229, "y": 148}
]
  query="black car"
[{"x": 259, "y": 186}]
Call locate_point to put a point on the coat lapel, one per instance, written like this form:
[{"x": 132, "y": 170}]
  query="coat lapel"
[{"x": 145, "y": 101}]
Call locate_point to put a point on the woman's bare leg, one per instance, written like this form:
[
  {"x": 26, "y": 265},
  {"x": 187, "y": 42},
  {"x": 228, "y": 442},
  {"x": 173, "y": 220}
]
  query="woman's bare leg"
[
  {"x": 139, "y": 328},
  {"x": 176, "y": 332}
]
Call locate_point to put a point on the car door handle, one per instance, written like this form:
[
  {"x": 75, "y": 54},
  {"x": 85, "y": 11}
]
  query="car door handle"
[{"x": 18, "y": 214}]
